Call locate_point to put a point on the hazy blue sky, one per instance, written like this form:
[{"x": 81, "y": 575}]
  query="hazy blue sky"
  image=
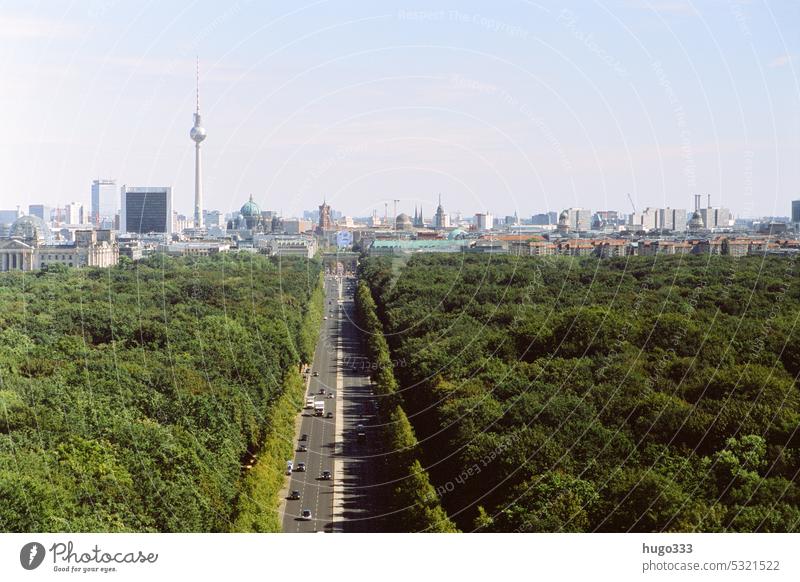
[{"x": 498, "y": 106}]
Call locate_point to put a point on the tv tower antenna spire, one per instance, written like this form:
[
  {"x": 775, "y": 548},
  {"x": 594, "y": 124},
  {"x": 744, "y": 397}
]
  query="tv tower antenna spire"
[{"x": 198, "y": 134}]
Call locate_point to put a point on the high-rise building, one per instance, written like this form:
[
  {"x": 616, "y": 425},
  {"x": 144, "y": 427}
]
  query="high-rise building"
[
  {"x": 105, "y": 203},
  {"x": 796, "y": 214},
  {"x": 645, "y": 220},
  {"x": 715, "y": 217},
  {"x": 440, "y": 219},
  {"x": 579, "y": 219},
  {"x": 484, "y": 221},
  {"x": 213, "y": 218},
  {"x": 198, "y": 134},
  {"x": 146, "y": 209},
  {"x": 74, "y": 213},
  {"x": 547, "y": 218},
  {"x": 673, "y": 219},
  {"x": 8, "y": 216},
  {"x": 40, "y": 211}
]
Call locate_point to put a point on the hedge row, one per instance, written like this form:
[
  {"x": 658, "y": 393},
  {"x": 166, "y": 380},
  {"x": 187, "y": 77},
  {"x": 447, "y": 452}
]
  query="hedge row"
[
  {"x": 414, "y": 504},
  {"x": 259, "y": 500}
]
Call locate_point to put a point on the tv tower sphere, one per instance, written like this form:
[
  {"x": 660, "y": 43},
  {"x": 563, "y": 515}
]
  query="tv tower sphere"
[{"x": 198, "y": 132}]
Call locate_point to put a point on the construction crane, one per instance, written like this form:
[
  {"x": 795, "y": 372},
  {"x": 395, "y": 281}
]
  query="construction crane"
[{"x": 632, "y": 204}]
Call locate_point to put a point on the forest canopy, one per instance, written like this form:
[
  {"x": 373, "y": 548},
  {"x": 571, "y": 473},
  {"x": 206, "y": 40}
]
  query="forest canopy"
[
  {"x": 130, "y": 396},
  {"x": 579, "y": 394}
]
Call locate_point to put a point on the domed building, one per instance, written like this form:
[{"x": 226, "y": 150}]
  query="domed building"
[
  {"x": 250, "y": 213},
  {"x": 563, "y": 222},
  {"x": 456, "y": 234},
  {"x": 250, "y": 218},
  {"x": 32, "y": 230},
  {"x": 403, "y": 222},
  {"x": 30, "y": 247},
  {"x": 696, "y": 222}
]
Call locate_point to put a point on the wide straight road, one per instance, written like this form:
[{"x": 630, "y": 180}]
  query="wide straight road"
[{"x": 349, "y": 500}]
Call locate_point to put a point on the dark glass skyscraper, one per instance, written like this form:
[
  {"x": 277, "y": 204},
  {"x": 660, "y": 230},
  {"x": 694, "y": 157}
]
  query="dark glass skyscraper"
[{"x": 146, "y": 209}]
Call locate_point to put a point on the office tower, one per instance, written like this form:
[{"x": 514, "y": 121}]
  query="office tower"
[
  {"x": 104, "y": 203},
  {"x": 715, "y": 217},
  {"x": 146, "y": 209},
  {"x": 796, "y": 214},
  {"x": 213, "y": 218},
  {"x": 40, "y": 211},
  {"x": 74, "y": 213},
  {"x": 607, "y": 217},
  {"x": 673, "y": 219},
  {"x": 198, "y": 134},
  {"x": 8, "y": 216},
  {"x": 579, "y": 219},
  {"x": 484, "y": 221},
  {"x": 546, "y": 218}
]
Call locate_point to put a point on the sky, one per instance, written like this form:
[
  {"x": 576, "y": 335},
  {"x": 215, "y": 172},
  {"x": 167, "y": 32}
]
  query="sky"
[{"x": 508, "y": 106}]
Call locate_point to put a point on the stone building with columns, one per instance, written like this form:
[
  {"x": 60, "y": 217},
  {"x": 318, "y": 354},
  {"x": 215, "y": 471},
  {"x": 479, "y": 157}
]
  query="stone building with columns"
[{"x": 29, "y": 247}]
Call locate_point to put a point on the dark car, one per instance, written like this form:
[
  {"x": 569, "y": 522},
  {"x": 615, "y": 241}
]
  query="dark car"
[
  {"x": 302, "y": 449},
  {"x": 325, "y": 476},
  {"x": 294, "y": 495},
  {"x": 305, "y": 515},
  {"x": 304, "y": 437},
  {"x": 328, "y": 415},
  {"x": 321, "y": 391},
  {"x": 301, "y": 467},
  {"x": 315, "y": 374}
]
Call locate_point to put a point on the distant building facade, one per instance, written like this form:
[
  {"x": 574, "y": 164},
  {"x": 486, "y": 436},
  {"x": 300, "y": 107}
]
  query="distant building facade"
[
  {"x": 545, "y": 219},
  {"x": 484, "y": 221},
  {"x": 325, "y": 222},
  {"x": 29, "y": 248},
  {"x": 40, "y": 211},
  {"x": 146, "y": 209},
  {"x": 105, "y": 203},
  {"x": 440, "y": 219}
]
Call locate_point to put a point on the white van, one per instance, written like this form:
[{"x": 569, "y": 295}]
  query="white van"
[{"x": 310, "y": 402}]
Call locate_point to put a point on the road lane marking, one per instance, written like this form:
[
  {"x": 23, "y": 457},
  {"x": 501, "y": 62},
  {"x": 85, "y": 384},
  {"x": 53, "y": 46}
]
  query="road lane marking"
[{"x": 338, "y": 473}]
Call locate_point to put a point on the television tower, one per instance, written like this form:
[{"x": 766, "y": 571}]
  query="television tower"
[{"x": 198, "y": 134}]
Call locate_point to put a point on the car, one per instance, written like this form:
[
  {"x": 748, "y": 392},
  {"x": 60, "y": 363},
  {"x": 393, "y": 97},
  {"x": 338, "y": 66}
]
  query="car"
[
  {"x": 301, "y": 468},
  {"x": 305, "y": 515},
  {"x": 315, "y": 374},
  {"x": 321, "y": 391},
  {"x": 303, "y": 437},
  {"x": 326, "y": 476},
  {"x": 325, "y": 318},
  {"x": 302, "y": 449},
  {"x": 328, "y": 415},
  {"x": 331, "y": 395},
  {"x": 289, "y": 466},
  {"x": 294, "y": 495}
]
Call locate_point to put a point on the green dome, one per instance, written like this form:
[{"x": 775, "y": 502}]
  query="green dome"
[
  {"x": 250, "y": 208},
  {"x": 456, "y": 234}
]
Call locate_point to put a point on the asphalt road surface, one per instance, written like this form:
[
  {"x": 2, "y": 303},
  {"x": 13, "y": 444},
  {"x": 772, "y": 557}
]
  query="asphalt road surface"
[{"x": 350, "y": 500}]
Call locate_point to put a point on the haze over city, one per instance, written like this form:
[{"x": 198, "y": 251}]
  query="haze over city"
[{"x": 527, "y": 109}]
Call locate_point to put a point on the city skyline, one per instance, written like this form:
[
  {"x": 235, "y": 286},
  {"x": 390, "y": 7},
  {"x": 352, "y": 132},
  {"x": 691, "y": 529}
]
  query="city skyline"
[{"x": 529, "y": 110}]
